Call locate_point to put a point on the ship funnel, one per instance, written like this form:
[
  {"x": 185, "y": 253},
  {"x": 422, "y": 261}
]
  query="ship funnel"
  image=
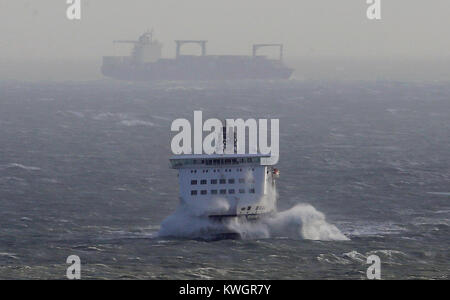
[
  {"x": 224, "y": 137},
  {"x": 226, "y": 132}
]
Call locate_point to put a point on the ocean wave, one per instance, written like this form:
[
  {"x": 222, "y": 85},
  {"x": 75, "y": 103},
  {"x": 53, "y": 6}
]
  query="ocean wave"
[
  {"x": 302, "y": 221},
  {"x": 371, "y": 229},
  {"x": 333, "y": 259},
  {"x": 19, "y": 166},
  {"x": 71, "y": 113},
  {"x": 109, "y": 115},
  {"x": 125, "y": 119},
  {"x": 439, "y": 193},
  {"x": 9, "y": 255},
  {"x": 388, "y": 253},
  {"x": 161, "y": 118},
  {"x": 424, "y": 221},
  {"x": 131, "y": 123},
  {"x": 354, "y": 257}
]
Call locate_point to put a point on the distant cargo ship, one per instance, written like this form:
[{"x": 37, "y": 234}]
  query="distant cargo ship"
[{"x": 145, "y": 63}]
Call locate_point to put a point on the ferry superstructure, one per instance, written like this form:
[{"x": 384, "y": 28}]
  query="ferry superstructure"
[{"x": 247, "y": 186}]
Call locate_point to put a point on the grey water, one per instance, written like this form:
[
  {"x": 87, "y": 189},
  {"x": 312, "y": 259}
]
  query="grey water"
[{"x": 84, "y": 171}]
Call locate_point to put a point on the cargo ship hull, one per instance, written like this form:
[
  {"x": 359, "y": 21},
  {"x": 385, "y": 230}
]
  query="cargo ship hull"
[{"x": 195, "y": 68}]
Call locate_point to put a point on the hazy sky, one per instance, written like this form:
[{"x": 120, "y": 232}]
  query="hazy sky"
[{"x": 38, "y": 29}]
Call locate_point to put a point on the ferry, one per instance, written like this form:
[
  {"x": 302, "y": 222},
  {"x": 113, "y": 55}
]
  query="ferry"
[{"x": 242, "y": 181}]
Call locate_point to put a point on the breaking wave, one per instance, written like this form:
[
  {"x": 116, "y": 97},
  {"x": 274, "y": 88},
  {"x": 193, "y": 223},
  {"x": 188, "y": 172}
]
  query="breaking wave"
[
  {"x": 302, "y": 221},
  {"x": 19, "y": 166},
  {"x": 136, "y": 123},
  {"x": 191, "y": 221}
]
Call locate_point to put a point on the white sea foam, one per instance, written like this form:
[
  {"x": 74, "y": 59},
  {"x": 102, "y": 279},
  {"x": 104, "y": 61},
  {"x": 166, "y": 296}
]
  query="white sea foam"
[
  {"x": 192, "y": 220},
  {"x": 19, "y": 166},
  {"x": 355, "y": 255},
  {"x": 75, "y": 113},
  {"x": 302, "y": 221},
  {"x": 136, "y": 123},
  {"x": 364, "y": 228},
  {"x": 388, "y": 253},
  {"x": 109, "y": 115},
  {"x": 439, "y": 193},
  {"x": 8, "y": 255},
  {"x": 161, "y": 118}
]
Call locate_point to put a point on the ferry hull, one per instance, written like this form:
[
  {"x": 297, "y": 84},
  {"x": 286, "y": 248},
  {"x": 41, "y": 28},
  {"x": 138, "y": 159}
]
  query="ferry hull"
[{"x": 228, "y": 233}]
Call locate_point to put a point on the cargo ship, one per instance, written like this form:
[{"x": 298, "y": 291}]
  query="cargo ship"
[{"x": 146, "y": 63}]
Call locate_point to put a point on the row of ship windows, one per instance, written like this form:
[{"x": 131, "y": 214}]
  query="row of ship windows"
[
  {"x": 221, "y": 192},
  {"x": 222, "y": 181},
  {"x": 218, "y": 170},
  {"x": 229, "y": 161},
  {"x": 249, "y": 207}
]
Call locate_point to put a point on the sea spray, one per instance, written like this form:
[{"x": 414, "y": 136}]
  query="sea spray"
[
  {"x": 192, "y": 221},
  {"x": 302, "y": 221}
]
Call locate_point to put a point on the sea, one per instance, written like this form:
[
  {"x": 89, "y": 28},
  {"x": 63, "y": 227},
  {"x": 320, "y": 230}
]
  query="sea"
[{"x": 364, "y": 170}]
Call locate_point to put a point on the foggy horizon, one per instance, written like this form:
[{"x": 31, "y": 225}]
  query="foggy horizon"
[{"x": 39, "y": 34}]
